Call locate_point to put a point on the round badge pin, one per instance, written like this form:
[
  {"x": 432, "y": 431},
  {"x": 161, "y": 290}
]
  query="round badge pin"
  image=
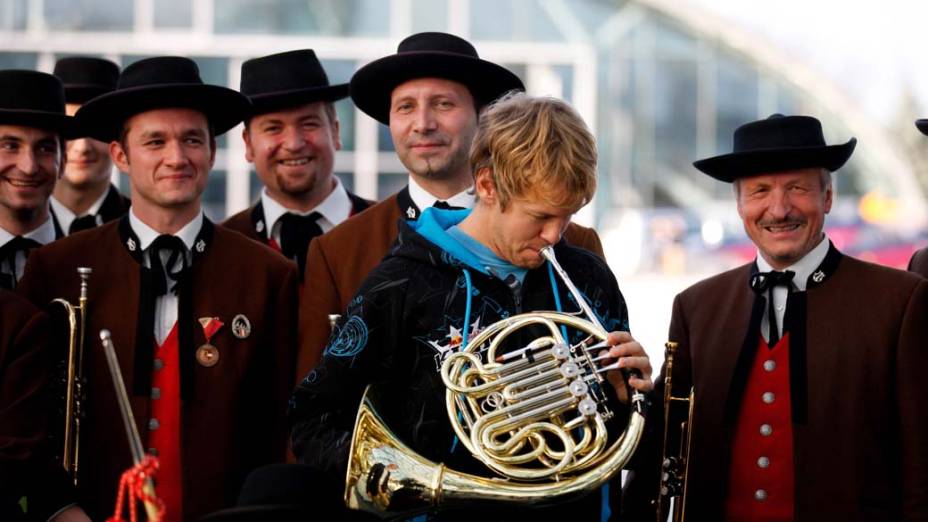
[
  {"x": 241, "y": 326},
  {"x": 207, "y": 355}
]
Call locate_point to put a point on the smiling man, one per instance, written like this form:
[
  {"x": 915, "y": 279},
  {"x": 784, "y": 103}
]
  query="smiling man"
[
  {"x": 84, "y": 197},
  {"x": 33, "y": 125},
  {"x": 291, "y": 136},
  {"x": 807, "y": 364},
  {"x": 202, "y": 318}
]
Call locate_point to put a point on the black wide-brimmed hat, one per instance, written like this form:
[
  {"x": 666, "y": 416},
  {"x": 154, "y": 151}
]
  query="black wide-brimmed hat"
[
  {"x": 33, "y": 99},
  {"x": 287, "y": 79},
  {"x": 85, "y": 77},
  {"x": 160, "y": 83},
  {"x": 776, "y": 144},
  {"x": 922, "y": 126},
  {"x": 429, "y": 55}
]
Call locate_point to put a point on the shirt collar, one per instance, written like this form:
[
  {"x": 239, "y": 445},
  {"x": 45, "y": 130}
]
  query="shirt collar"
[
  {"x": 188, "y": 233},
  {"x": 42, "y": 234},
  {"x": 423, "y": 199},
  {"x": 804, "y": 267},
  {"x": 64, "y": 214},
  {"x": 335, "y": 208}
]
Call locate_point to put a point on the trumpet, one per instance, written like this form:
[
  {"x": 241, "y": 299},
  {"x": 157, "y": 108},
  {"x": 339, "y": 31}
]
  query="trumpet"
[
  {"x": 535, "y": 416},
  {"x": 674, "y": 468},
  {"x": 74, "y": 393}
]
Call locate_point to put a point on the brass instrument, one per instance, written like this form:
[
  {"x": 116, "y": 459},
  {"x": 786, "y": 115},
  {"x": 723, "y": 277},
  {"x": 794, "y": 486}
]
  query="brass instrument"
[
  {"x": 77, "y": 321},
  {"x": 674, "y": 468},
  {"x": 535, "y": 416},
  {"x": 128, "y": 420}
]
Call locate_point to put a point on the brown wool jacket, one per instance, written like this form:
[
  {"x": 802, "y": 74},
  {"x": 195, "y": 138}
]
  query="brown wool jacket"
[
  {"x": 339, "y": 261},
  {"x": 861, "y": 453},
  {"x": 234, "y": 419}
]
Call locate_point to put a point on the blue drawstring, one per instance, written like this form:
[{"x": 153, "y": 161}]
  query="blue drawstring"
[
  {"x": 466, "y": 328},
  {"x": 467, "y": 308}
]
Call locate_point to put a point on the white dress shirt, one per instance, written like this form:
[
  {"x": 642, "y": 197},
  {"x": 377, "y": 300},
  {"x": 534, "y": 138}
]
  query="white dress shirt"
[
  {"x": 165, "y": 305},
  {"x": 335, "y": 208},
  {"x": 66, "y": 217},
  {"x": 803, "y": 269},
  {"x": 43, "y": 235},
  {"x": 423, "y": 199}
]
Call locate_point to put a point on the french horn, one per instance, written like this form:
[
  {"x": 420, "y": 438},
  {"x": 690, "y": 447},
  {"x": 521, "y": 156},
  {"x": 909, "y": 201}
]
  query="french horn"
[{"x": 535, "y": 416}]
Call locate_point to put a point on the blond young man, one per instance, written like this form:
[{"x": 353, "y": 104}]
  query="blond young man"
[{"x": 454, "y": 272}]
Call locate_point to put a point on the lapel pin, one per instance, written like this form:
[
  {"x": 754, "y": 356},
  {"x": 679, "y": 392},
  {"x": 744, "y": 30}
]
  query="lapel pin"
[{"x": 241, "y": 327}]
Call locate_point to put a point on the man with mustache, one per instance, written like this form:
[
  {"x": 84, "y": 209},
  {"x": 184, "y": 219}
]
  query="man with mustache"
[
  {"x": 291, "y": 136},
  {"x": 807, "y": 364},
  {"x": 429, "y": 93},
  {"x": 84, "y": 197},
  {"x": 33, "y": 127}
]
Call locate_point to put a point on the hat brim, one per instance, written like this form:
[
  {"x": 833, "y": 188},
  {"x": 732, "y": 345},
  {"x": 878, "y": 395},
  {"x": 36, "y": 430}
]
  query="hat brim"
[
  {"x": 729, "y": 167},
  {"x": 102, "y": 118},
  {"x": 373, "y": 84},
  {"x": 275, "y": 101},
  {"x": 53, "y": 121},
  {"x": 922, "y": 126},
  {"x": 82, "y": 93}
]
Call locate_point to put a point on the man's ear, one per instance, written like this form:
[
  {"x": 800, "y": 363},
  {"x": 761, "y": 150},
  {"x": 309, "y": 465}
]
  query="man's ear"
[
  {"x": 120, "y": 158},
  {"x": 249, "y": 152},
  {"x": 484, "y": 185}
]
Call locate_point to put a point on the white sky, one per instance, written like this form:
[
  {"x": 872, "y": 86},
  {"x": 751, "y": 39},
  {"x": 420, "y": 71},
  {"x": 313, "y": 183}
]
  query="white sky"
[{"x": 871, "y": 49}]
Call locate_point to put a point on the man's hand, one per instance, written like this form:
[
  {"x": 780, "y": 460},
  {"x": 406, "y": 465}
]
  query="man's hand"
[{"x": 631, "y": 356}]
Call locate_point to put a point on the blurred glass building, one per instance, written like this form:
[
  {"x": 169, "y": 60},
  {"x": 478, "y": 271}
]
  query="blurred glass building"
[{"x": 661, "y": 84}]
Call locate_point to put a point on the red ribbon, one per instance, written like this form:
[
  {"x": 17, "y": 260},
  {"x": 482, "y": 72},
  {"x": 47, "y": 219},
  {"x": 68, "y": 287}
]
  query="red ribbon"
[
  {"x": 132, "y": 484},
  {"x": 210, "y": 325}
]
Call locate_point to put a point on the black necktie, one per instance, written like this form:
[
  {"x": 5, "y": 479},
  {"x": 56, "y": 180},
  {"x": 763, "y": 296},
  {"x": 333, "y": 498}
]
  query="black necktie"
[
  {"x": 295, "y": 234},
  {"x": 445, "y": 206},
  {"x": 177, "y": 251},
  {"x": 8, "y": 254},
  {"x": 763, "y": 282},
  {"x": 82, "y": 223}
]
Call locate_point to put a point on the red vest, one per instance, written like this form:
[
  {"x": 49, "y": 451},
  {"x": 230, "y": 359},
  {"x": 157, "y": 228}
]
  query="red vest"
[
  {"x": 761, "y": 475},
  {"x": 164, "y": 430}
]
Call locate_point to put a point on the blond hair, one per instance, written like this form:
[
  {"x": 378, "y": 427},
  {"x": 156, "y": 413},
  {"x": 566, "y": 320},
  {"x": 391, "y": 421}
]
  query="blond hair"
[{"x": 536, "y": 146}]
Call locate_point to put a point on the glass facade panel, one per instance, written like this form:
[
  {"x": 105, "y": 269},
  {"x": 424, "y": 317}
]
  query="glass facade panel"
[
  {"x": 88, "y": 15},
  {"x": 512, "y": 20},
  {"x": 323, "y": 17},
  {"x": 384, "y": 140},
  {"x": 214, "y": 197},
  {"x": 736, "y": 99},
  {"x": 173, "y": 14},
  {"x": 429, "y": 15},
  {"x": 18, "y": 60},
  {"x": 389, "y": 183},
  {"x": 13, "y": 15}
]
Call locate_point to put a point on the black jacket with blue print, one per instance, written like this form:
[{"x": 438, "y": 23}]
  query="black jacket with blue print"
[{"x": 410, "y": 313}]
